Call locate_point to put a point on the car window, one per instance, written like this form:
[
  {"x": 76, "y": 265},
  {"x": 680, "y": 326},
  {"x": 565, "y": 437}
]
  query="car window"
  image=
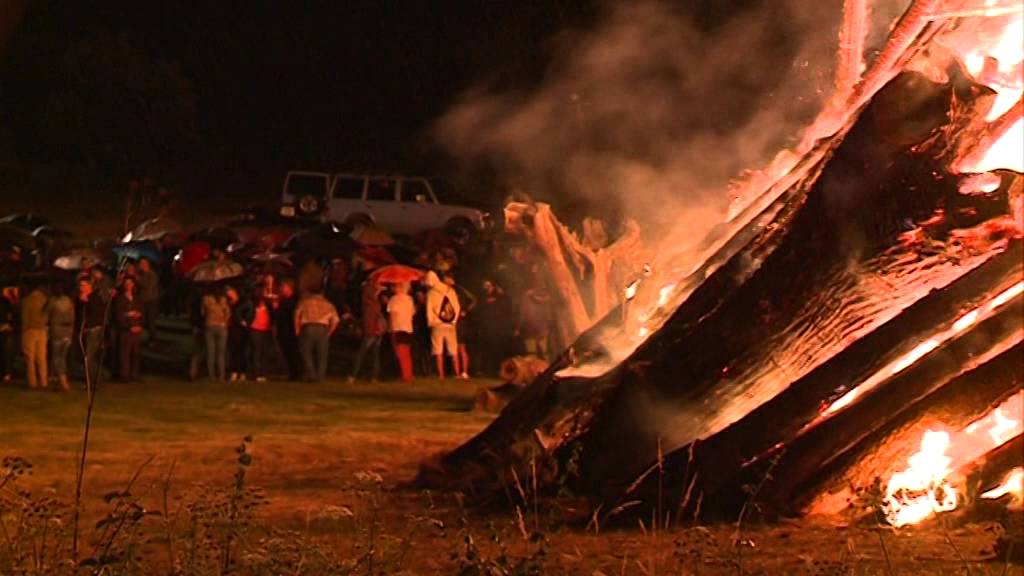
[
  {"x": 381, "y": 190},
  {"x": 300, "y": 185},
  {"x": 415, "y": 191},
  {"x": 349, "y": 188}
]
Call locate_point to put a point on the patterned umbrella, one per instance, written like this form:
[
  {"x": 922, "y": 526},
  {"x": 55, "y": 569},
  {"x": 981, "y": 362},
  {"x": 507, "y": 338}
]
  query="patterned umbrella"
[
  {"x": 78, "y": 259},
  {"x": 155, "y": 229},
  {"x": 216, "y": 270}
]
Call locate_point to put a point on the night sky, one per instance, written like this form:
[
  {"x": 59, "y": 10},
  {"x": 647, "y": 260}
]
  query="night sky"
[
  {"x": 350, "y": 83},
  {"x": 316, "y": 84}
]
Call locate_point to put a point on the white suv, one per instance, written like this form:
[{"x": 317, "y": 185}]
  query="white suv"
[{"x": 399, "y": 204}]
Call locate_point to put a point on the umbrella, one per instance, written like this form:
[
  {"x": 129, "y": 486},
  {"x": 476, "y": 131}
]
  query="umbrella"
[
  {"x": 322, "y": 245},
  {"x": 11, "y": 236},
  {"x": 216, "y": 270},
  {"x": 25, "y": 221},
  {"x": 372, "y": 236},
  {"x": 375, "y": 256},
  {"x": 216, "y": 237},
  {"x": 137, "y": 251},
  {"x": 155, "y": 228},
  {"x": 77, "y": 259},
  {"x": 396, "y": 274},
  {"x": 272, "y": 263},
  {"x": 190, "y": 256}
]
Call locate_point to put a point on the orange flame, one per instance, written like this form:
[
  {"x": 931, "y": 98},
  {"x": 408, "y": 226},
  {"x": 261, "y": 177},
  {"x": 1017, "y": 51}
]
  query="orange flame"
[
  {"x": 924, "y": 348},
  {"x": 1013, "y": 485},
  {"x": 925, "y": 487}
]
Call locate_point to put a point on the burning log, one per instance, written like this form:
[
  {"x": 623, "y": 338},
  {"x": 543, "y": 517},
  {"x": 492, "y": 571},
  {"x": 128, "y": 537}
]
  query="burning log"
[{"x": 851, "y": 45}]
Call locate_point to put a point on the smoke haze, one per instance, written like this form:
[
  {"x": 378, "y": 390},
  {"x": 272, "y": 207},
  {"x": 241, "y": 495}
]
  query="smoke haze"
[{"x": 649, "y": 114}]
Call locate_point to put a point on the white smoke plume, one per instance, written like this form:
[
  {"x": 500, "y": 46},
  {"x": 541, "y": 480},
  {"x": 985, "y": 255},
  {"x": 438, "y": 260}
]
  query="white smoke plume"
[{"x": 650, "y": 114}]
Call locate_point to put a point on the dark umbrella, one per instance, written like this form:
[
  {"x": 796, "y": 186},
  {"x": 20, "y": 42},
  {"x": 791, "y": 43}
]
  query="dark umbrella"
[
  {"x": 137, "y": 251},
  {"x": 11, "y": 236},
  {"x": 372, "y": 236},
  {"x": 155, "y": 229},
  {"x": 320, "y": 244},
  {"x": 216, "y": 271},
  {"x": 25, "y": 221},
  {"x": 219, "y": 238},
  {"x": 272, "y": 263}
]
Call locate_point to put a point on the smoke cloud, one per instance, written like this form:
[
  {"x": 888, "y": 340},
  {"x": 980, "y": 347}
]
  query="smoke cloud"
[{"x": 650, "y": 114}]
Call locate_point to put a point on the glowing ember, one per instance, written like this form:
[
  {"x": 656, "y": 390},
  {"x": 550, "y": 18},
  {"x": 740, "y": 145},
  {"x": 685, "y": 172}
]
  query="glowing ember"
[
  {"x": 921, "y": 490},
  {"x": 1013, "y": 485},
  {"x": 664, "y": 294},
  {"x": 980, "y": 184},
  {"x": 1008, "y": 294},
  {"x": 1004, "y": 428},
  {"x": 923, "y": 349},
  {"x": 632, "y": 289},
  {"x": 925, "y": 487},
  {"x": 919, "y": 351},
  {"x": 1006, "y": 152},
  {"x": 966, "y": 321}
]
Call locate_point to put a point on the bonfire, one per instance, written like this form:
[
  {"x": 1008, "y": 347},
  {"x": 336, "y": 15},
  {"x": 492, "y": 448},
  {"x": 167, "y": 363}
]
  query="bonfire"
[{"x": 854, "y": 324}]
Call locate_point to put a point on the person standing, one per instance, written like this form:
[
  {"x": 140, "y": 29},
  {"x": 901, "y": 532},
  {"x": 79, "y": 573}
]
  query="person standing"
[
  {"x": 316, "y": 319},
  {"x": 374, "y": 327},
  {"x": 93, "y": 311},
  {"x": 149, "y": 296},
  {"x": 216, "y": 315},
  {"x": 492, "y": 328},
  {"x": 61, "y": 316},
  {"x": 259, "y": 318},
  {"x": 238, "y": 339},
  {"x": 285, "y": 329},
  {"x": 467, "y": 302},
  {"x": 401, "y": 310},
  {"x": 33, "y": 337},
  {"x": 128, "y": 320},
  {"x": 534, "y": 323},
  {"x": 442, "y": 317},
  {"x": 8, "y": 331}
]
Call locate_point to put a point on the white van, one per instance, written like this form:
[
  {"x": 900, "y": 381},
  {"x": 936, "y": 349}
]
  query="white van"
[{"x": 398, "y": 204}]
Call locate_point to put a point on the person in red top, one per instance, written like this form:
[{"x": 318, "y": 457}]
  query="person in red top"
[
  {"x": 260, "y": 320},
  {"x": 374, "y": 327}
]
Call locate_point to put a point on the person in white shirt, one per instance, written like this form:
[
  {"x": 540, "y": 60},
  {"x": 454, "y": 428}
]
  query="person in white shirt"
[
  {"x": 442, "y": 317},
  {"x": 401, "y": 310}
]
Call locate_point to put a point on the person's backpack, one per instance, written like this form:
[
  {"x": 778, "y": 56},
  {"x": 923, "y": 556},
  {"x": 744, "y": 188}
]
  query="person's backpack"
[{"x": 446, "y": 313}]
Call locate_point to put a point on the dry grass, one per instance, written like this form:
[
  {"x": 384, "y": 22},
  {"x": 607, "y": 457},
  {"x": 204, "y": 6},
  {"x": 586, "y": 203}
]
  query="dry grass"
[{"x": 317, "y": 447}]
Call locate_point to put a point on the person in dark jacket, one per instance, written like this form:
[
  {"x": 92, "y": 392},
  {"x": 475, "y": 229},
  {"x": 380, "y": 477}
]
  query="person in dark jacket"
[
  {"x": 285, "y": 329},
  {"x": 149, "y": 295},
  {"x": 8, "y": 331},
  {"x": 129, "y": 319},
  {"x": 93, "y": 314},
  {"x": 238, "y": 341}
]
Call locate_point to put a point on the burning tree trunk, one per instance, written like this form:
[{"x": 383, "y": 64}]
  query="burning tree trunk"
[{"x": 582, "y": 273}]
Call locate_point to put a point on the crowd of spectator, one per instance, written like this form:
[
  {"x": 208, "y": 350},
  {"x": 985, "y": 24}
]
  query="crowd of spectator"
[{"x": 300, "y": 324}]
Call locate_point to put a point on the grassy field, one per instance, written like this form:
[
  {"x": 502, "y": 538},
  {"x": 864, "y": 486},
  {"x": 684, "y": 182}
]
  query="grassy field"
[{"x": 330, "y": 456}]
